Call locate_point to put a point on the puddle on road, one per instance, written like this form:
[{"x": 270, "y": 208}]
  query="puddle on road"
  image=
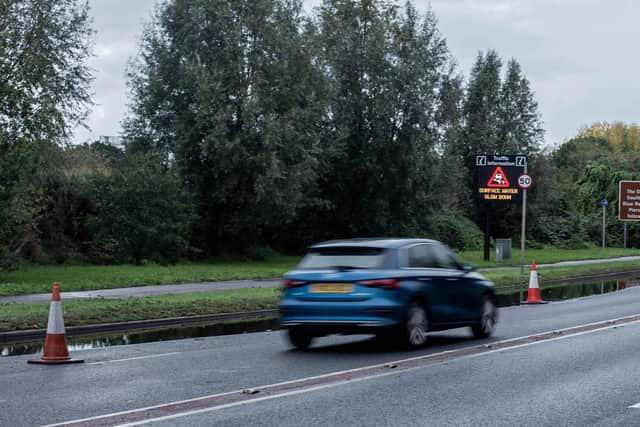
[
  {"x": 144, "y": 336},
  {"x": 567, "y": 291},
  {"x": 558, "y": 292}
]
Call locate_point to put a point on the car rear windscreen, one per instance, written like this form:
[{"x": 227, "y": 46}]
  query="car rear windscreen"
[{"x": 343, "y": 257}]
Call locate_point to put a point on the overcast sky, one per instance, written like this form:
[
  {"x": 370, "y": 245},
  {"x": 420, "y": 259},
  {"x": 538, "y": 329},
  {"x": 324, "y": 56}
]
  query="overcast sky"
[{"x": 581, "y": 56}]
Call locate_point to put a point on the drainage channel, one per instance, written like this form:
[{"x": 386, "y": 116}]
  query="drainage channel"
[
  {"x": 558, "y": 292},
  {"x": 572, "y": 290},
  {"x": 145, "y": 336},
  {"x": 225, "y": 400}
]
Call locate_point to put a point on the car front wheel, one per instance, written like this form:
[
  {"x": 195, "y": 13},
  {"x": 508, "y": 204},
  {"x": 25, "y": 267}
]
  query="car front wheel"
[{"x": 487, "y": 323}]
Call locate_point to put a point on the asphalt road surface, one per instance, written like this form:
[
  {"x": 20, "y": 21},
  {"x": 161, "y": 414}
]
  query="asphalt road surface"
[{"x": 587, "y": 376}]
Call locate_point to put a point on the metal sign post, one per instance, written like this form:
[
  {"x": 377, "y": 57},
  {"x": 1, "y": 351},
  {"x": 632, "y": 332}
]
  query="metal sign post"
[
  {"x": 524, "y": 181},
  {"x": 604, "y": 203},
  {"x": 604, "y": 225},
  {"x": 625, "y": 235}
]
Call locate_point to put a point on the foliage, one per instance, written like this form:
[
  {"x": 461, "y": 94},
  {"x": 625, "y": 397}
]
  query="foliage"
[
  {"x": 44, "y": 89},
  {"x": 228, "y": 91},
  {"x": 620, "y": 136},
  {"x": 44, "y": 92},
  {"x": 500, "y": 116},
  {"x": 383, "y": 71},
  {"x": 139, "y": 212},
  {"x": 255, "y": 127},
  {"x": 456, "y": 230}
]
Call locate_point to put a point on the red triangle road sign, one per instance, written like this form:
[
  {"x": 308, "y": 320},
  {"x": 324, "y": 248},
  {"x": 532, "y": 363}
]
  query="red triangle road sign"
[{"x": 498, "y": 179}]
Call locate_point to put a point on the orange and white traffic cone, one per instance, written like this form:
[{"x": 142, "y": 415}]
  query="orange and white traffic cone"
[
  {"x": 533, "y": 295},
  {"x": 55, "y": 344}
]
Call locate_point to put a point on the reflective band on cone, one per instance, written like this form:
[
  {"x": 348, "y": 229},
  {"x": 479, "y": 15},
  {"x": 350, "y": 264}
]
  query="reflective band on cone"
[
  {"x": 55, "y": 344},
  {"x": 533, "y": 295}
]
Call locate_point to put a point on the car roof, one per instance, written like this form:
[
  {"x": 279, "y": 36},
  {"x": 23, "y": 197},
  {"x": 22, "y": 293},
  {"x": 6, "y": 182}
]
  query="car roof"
[{"x": 372, "y": 242}]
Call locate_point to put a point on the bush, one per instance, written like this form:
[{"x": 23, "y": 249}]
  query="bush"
[
  {"x": 457, "y": 231},
  {"x": 139, "y": 213},
  {"x": 566, "y": 232}
]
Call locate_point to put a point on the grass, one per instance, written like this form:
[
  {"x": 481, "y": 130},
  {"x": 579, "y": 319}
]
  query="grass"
[
  {"x": 505, "y": 280},
  {"x": 32, "y": 279},
  {"x": 546, "y": 256},
  {"x": 84, "y": 312}
]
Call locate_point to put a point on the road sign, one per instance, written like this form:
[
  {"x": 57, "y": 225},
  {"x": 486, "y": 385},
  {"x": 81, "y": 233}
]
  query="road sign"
[
  {"x": 629, "y": 201},
  {"x": 524, "y": 181},
  {"x": 604, "y": 203},
  {"x": 497, "y": 177}
]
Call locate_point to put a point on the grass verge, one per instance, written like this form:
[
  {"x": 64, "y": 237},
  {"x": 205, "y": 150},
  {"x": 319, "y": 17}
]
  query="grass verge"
[
  {"x": 547, "y": 256},
  {"x": 33, "y": 279},
  {"x": 84, "y": 312},
  {"x": 511, "y": 278}
]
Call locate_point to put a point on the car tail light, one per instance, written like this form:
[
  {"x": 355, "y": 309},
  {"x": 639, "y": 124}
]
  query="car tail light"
[
  {"x": 381, "y": 283},
  {"x": 288, "y": 283}
]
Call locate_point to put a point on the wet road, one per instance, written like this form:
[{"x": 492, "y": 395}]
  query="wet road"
[{"x": 585, "y": 379}]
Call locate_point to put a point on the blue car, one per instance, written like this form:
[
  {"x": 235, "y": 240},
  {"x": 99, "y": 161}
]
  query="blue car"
[{"x": 401, "y": 288}]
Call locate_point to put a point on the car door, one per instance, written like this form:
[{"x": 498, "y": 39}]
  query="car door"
[
  {"x": 461, "y": 292},
  {"x": 432, "y": 282}
]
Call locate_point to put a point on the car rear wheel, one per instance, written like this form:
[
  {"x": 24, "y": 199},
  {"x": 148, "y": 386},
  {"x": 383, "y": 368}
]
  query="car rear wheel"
[
  {"x": 300, "y": 338},
  {"x": 416, "y": 326},
  {"x": 487, "y": 323}
]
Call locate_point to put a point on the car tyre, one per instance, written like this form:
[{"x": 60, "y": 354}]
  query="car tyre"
[
  {"x": 300, "y": 338},
  {"x": 416, "y": 326},
  {"x": 486, "y": 325}
]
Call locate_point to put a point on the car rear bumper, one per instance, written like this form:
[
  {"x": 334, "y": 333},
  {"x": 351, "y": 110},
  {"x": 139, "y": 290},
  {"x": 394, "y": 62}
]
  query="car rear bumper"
[
  {"x": 347, "y": 318},
  {"x": 320, "y": 328}
]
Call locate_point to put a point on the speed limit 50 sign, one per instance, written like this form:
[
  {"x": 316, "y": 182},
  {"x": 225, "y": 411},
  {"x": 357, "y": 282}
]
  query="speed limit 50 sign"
[{"x": 524, "y": 181}]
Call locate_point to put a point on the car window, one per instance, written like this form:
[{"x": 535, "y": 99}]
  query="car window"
[
  {"x": 343, "y": 257},
  {"x": 421, "y": 256},
  {"x": 445, "y": 258}
]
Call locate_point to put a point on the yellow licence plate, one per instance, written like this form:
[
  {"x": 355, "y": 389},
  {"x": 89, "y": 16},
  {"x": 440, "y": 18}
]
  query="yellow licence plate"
[{"x": 331, "y": 288}]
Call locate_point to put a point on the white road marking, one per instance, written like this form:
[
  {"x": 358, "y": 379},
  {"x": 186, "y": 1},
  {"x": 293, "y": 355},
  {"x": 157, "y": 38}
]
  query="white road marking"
[
  {"x": 134, "y": 358},
  {"x": 636, "y": 406},
  {"x": 350, "y": 381}
]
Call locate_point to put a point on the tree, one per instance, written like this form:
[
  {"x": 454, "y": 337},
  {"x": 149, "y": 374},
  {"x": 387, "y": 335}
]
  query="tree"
[
  {"x": 520, "y": 130},
  {"x": 384, "y": 70},
  {"x": 44, "y": 93},
  {"x": 482, "y": 109},
  {"x": 227, "y": 90},
  {"x": 622, "y": 137},
  {"x": 138, "y": 211},
  {"x": 44, "y": 46}
]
